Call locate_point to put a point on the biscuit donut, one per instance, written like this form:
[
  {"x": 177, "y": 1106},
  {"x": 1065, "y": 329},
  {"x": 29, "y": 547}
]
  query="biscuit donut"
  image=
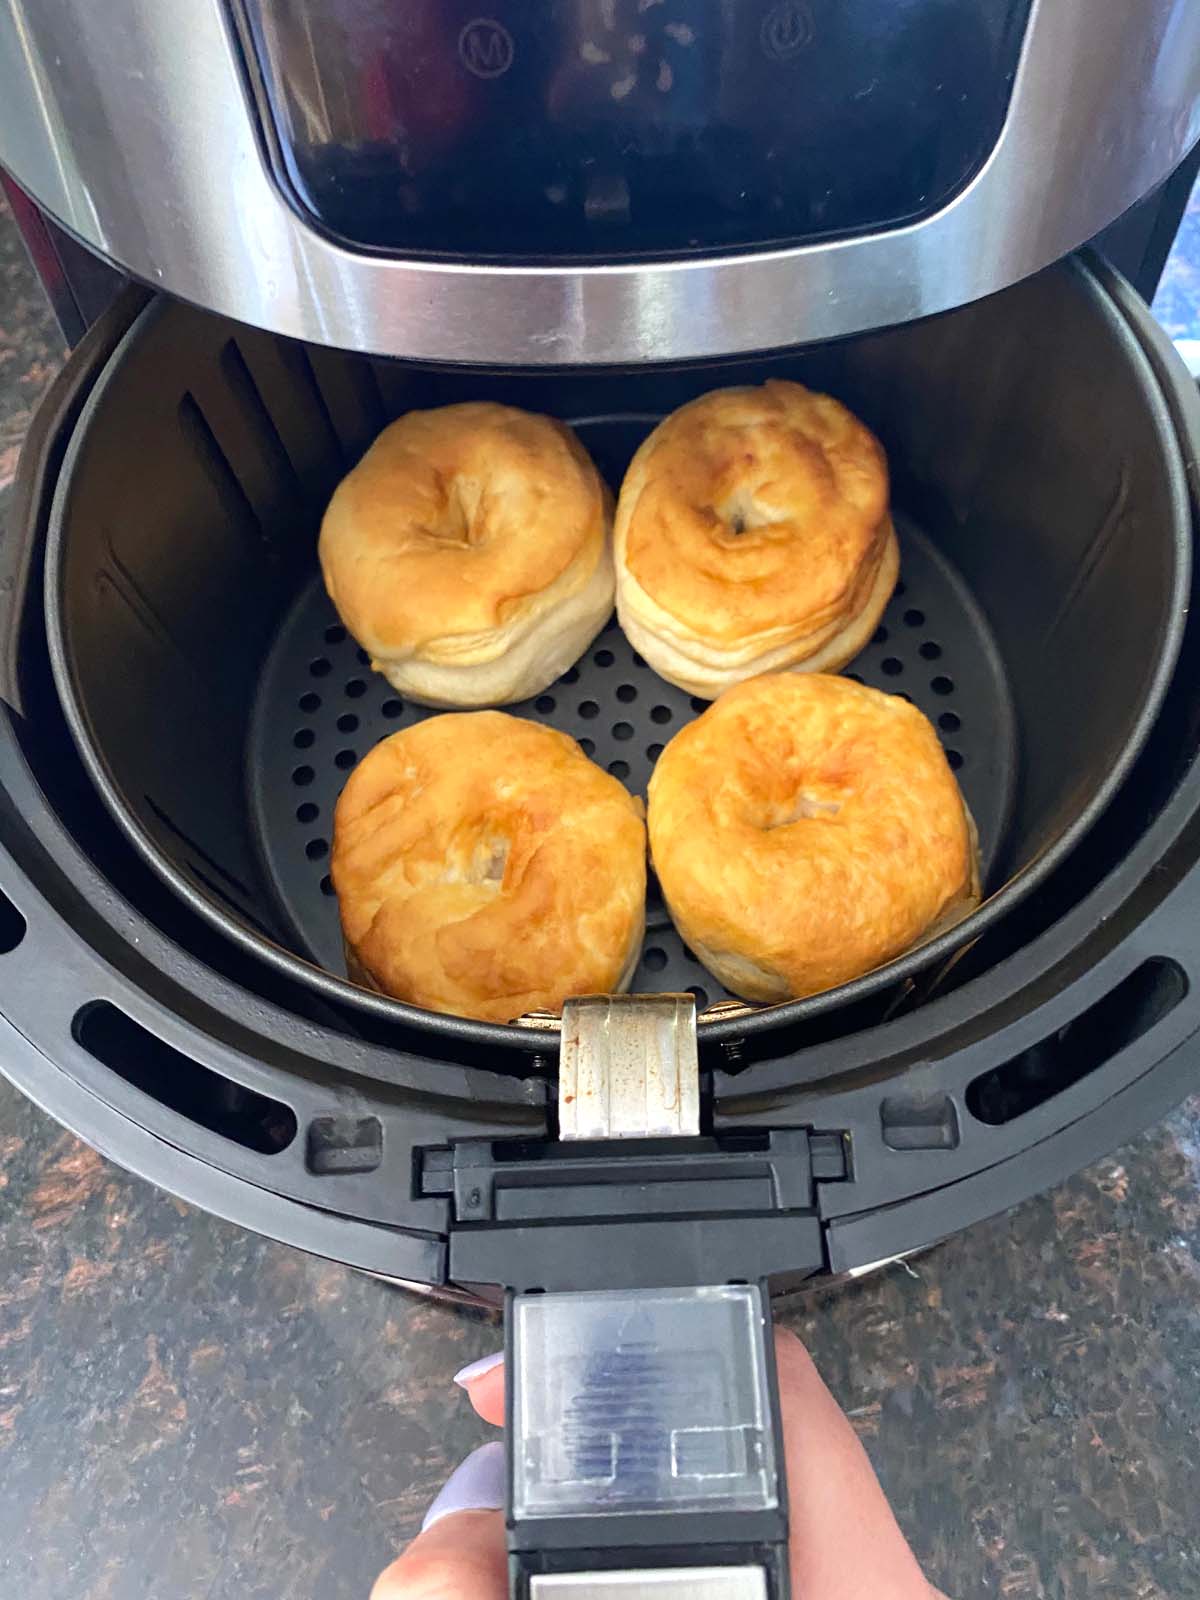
[
  {"x": 805, "y": 830},
  {"x": 469, "y": 553},
  {"x": 752, "y": 535},
  {"x": 485, "y": 867}
]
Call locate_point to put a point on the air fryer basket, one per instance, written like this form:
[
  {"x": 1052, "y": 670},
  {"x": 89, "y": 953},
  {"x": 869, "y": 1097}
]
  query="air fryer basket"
[{"x": 1043, "y": 512}]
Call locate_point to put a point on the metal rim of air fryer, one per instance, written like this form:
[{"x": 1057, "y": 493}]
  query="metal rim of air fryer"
[{"x": 737, "y": 1024}]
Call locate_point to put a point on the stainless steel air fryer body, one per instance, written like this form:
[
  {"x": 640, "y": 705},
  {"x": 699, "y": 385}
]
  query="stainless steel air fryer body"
[
  {"x": 579, "y": 183},
  {"x": 602, "y": 186},
  {"x": 415, "y": 202}
]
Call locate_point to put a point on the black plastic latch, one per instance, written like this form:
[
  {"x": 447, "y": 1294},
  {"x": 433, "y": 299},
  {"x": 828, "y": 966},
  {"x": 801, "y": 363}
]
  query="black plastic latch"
[
  {"x": 499, "y": 1180},
  {"x": 551, "y": 1215}
]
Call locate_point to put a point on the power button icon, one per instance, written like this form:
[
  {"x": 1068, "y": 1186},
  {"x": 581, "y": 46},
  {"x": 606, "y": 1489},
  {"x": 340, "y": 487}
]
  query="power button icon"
[{"x": 785, "y": 30}]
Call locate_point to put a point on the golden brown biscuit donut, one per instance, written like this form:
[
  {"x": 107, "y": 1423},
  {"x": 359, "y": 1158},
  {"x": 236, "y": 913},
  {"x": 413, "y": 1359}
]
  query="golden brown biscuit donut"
[
  {"x": 485, "y": 867},
  {"x": 468, "y": 552},
  {"x": 752, "y": 535},
  {"x": 805, "y": 830}
]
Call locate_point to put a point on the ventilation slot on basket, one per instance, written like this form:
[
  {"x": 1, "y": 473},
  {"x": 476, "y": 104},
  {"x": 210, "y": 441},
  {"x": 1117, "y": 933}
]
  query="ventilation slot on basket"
[
  {"x": 1136, "y": 1005},
  {"x": 239, "y": 513},
  {"x": 149, "y": 1063},
  {"x": 12, "y": 926},
  {"x": 254, "y": 407},
  {"x": 299, "y": 363}
]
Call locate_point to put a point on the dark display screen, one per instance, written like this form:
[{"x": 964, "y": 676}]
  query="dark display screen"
[{"x": 582, "y": 128}]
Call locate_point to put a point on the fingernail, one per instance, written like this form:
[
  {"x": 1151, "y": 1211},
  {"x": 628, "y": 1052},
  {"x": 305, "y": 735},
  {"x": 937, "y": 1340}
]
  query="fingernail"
[
  {"x": 476, "y": 1485},
  {"x": 476, "y": 1369}
]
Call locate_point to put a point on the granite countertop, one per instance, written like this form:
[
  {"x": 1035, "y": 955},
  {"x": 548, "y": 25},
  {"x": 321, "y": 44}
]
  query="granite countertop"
[{"x": 188, "y": 1410}]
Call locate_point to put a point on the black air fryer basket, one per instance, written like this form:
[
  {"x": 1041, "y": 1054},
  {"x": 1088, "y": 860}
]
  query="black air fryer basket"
[
  {"x": 219, "y": 705},
  {"x": 185, "y": 707}
]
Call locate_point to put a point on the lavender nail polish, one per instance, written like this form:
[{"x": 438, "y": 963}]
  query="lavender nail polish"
[
  {"x": 476, "y": 1369},
  {"x": 475, "y": 1485}
]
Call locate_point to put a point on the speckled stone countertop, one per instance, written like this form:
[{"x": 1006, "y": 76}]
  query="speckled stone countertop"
[{"x": 188, "y": 1412}]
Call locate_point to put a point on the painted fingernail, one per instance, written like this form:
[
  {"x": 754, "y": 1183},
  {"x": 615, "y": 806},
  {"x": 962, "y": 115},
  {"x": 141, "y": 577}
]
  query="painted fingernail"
[
  {"x": 476, "y": 1369},
  {"x": 476, "y": 1485}
]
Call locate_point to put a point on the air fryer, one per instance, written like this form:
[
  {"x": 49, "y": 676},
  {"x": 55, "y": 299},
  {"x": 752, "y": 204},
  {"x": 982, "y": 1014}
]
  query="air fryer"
[{"x": 182, "y": 705}]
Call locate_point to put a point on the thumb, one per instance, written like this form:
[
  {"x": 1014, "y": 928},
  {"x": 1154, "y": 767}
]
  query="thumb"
[{"x": 460, "y": 1553}]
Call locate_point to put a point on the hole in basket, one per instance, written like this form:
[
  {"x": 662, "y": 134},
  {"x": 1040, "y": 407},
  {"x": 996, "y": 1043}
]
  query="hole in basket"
[
  {"x": 545, "y": 703},
  {"x": 344, "y": 760},
  {"x": 302, "y": 776},
  {"x": 309, "y": 702},
  {"x": 307, "y": 812},
  {"x": 303, "y": 737},
  {"x": 316, "y": 849},
  {"x": 697, "y": 704},
  {"x": 604, "y": 658},
  {"x": 1083, "y": 1046},
  {"x": 954, "y": 759},
  {"x": 335, "y": 633},
  {"x": 639, "y": 661},
  {"x": 654, "y": 751},
  {"x": 892, "y": 666},
  {"x": 356, "y": 688},
  {"x": 855, "y": 677},
  {"x": 571, "y": 675},
  {"x": 660, "y": 714},
  {"x": 347, "y": 722},
  {"x": 622, "y": 730},
  {"x": 688, "y": 956},
  {"x": 363, "y": 658},
  {"x": 700, "y": 994},
  {"x": 901, "y": 588},
  {"x": 589, "y": 709},
  {"x": 942, "y": 685},
  {"x": 654, "y": 959},
  {"x": 327, "y": 888},
  {"x": 391, "y": 709},
  {"x": 880, "y": 636},
  {"x": 913, "y": 617},
  {"x": 320, "y": 667},
  {"x": 619, "y": 769},
  {"x": 625, "y": 693},
  {"x": 948, "y": 722},
  {"x": 930, "y": 650},
  {"x": 173, "y": 1079},
  {"x": 588, "y": 746}
]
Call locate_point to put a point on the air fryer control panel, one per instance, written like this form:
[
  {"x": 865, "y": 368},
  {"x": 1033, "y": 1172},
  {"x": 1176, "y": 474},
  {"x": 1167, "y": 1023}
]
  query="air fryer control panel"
[{"x": 608, "y": 128}]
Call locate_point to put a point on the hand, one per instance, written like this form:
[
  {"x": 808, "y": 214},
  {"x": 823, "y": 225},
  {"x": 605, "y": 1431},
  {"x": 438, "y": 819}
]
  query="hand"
[{"x": 845, "y": 1543}]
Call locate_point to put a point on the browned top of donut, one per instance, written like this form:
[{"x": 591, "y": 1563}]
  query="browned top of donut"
[
  {"x": 455, "y": 521},
  {"x": 485, "y": 867},
  {"x": 754, "y": 509},
  {"x": 810, "y": 825}
]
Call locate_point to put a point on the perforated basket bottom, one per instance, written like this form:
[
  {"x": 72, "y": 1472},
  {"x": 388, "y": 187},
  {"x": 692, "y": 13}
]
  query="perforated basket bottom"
[{"x": 321, "y": 708}]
